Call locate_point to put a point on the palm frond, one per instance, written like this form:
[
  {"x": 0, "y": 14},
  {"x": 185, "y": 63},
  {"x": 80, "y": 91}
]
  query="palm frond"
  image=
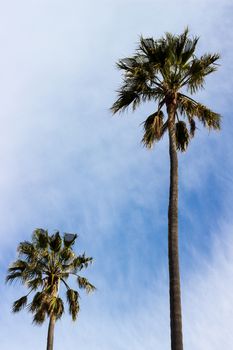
[
  {"x": 55, "y": 242},
  {"x": 72, "y": 299},
  {"x": 85, "y": 284},
  {"x": 58, "y": 309},
  {"x": 35, "y": 283},
  {"x": 192, "y": 108},
  {"x": 18, "y": 275},
  {"x": 40, "y": 298},
  {"x": 55, "y": 307},
  {"x": 185, "y": 47},
  {"x": 199, "y": 69},
  {"x": 125, "y": 98},
  {"x": 182, "y": 136},
  {"x": 81, "y": 262},
  {"x": 192, "y": 127},
  {"x": 66, "y": 255},
  {"x": 27, "y": 250},
  {"x": 40, "y": 238},
  {"x": 19, "y": 304},
  {"x": 153, "y": 127},
  {"x": 39, "y": 316}
]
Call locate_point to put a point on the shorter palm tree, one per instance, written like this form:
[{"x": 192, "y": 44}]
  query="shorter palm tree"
[{"x": 42, "y": 265}]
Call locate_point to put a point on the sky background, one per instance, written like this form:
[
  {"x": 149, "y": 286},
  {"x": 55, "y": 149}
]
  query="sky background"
[{"x": 68, "y": 164}]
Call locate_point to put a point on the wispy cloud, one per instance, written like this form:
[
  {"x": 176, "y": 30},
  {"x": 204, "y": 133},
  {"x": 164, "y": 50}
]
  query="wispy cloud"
[{"x": 67, "y": 164}]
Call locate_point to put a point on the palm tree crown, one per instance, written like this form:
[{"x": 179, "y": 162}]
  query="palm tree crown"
[
  {"x": 43, "y": 265},
  {"x": 161, "y": 70}
]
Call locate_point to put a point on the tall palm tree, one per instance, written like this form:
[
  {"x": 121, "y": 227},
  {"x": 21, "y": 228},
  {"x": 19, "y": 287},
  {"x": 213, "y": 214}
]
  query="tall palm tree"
[
  {"x": 42, "y": 265},
  {"x": 162, "y": 71}
]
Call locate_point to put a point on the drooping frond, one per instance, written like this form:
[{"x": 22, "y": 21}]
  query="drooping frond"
[
  {"x": 16, "y": 271},
  {"x": 58, "y": 309},
  {"x": 55, "y": 307},
  {"x": 40, "y": 315},
  {"x": 11, "y": 277},
  {"x": 85, "y": 284},
  {"x": 182, "y": 136},
  {"x": 125, "y": 98},
  {"x": 153, "y": 129},
  {"x": 72, "y": 299},
  {"x": 191, "y": 109},
  {"x": 19, "y": 304},
  {"x": 40, "y": 298},
  {"x": 192, "y": 127}
]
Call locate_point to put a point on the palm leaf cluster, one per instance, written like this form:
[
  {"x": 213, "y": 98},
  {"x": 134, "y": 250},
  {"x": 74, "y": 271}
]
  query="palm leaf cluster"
[
  {"x": 162, "y": 70},
  {"x": 42, "y": 266}
]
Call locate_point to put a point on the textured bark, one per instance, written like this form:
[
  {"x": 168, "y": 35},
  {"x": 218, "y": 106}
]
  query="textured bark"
[
  {"x": 173, "y": 249},
  {"x": 51, "y": 333}
]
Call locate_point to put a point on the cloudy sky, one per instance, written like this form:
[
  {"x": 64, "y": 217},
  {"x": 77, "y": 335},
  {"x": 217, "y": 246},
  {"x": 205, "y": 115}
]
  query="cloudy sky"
[{"x": 68, "y": 164}]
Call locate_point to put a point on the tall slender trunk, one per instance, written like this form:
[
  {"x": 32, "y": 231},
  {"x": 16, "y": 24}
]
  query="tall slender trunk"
[
  {"x": 173, "y": 249},
  {"x": 51, "y": 332}
]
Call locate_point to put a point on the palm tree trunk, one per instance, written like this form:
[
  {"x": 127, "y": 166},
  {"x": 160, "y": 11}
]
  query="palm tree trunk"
[
  {"x": 173, "y": 249},
  {"x": 51, "y": 333}
]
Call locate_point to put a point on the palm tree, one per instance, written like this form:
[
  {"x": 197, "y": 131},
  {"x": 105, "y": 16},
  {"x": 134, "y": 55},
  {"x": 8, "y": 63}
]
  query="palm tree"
[
  {"x": 162, "y": 71},
  {"x": 42, "y": 265}
]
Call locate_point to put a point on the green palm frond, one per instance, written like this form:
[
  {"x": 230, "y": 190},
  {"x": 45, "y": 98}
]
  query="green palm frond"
[
  {"x": 27, "y": 250},
  {"x": 185, "y": 47},
  {"x": 182, "y": 136},
  {"x": 11, "y": 277},
  {"x": 55, "y": 307},
  {"x": 55, "y": 242},
  {"x": 40, "y": 298},
  {"x": 40, "y": 238},
  {"x": 19, "y": 304},
  {"x": 19, "y": 265},
  {"x": 85, "y": 284},
  {"x": 208, "y": 118},
  {"x": 81, "y": 262},
  {"x": 39, "y": 316},
  {"x": 126, "y": 97},
  {"x": 191, "y": 109},
  {"x": 35, "y": 283},
  {"x": 198, "y": 70},
  {"x": 58, "y": 309}
]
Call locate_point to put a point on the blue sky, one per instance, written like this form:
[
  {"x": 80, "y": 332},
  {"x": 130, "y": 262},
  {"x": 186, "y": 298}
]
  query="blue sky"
[{"x": 67, "y": 164}]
